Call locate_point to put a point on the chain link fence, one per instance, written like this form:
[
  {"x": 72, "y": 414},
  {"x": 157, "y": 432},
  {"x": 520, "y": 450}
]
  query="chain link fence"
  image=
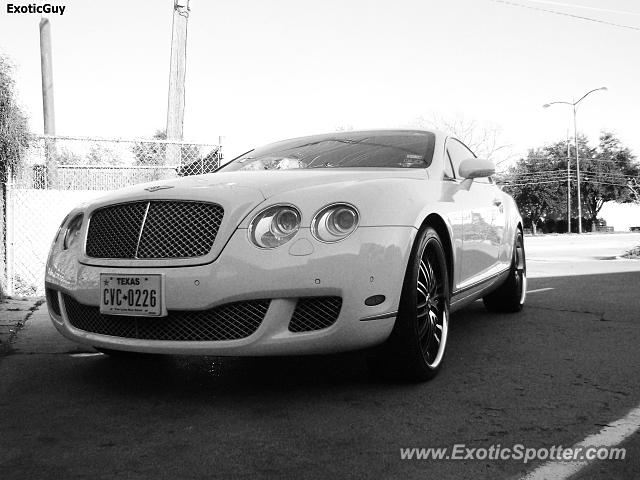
[{"x": 56, "y": 173}]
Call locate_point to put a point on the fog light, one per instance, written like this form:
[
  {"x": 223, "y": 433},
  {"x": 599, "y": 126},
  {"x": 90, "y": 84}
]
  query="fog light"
[{"x": 374, "y": 300}]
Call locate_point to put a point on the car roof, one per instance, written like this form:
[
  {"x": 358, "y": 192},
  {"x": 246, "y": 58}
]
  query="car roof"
[{"x": 352, "y": 133}]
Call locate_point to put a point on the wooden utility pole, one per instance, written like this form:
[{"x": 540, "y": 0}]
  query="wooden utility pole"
[
  {"x": 175, "y": 106},
  {"x": 46, "y": 67},
  {"x": 47, "y": 77}
]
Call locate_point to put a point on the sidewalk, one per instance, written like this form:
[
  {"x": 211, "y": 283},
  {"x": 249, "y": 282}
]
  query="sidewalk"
[{"x": 14, "y": 312}]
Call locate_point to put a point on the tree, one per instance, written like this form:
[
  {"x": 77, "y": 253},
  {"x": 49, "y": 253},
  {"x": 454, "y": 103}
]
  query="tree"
[
  {"x": 66, "y": 156},
  {"x": 14, "y": 130},
  {"x": 535, "y": 191},
  {"x": 102, "y": 155},
  {"x": 484, "y": 139},
  {"x": 609, "y": 174},
  {"x": 634, "y": 188},
  {"x": 14, "y": 138},
  {"x": 154, "y": 153},
  {"x": 538, "y": 182},
  {"x": 98, "y": 154},
  {"x": 555, "y": 157},
  {"x": 150, "y": 153}
]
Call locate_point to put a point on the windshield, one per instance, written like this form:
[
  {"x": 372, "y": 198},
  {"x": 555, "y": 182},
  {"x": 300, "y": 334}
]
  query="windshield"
[{"x": 342, "y": 150}]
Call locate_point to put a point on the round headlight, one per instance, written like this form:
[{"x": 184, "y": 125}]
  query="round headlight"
[
  {"x": 286, "y": 221},
  {"x": 60, "y": 229},
  {"x": 335, "y": 222},
  {"x": 274, "y": 226},
  {"x": 73, "y": 231}
]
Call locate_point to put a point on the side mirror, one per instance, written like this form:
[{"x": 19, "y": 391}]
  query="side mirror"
[{"x": 476, "y": 168}]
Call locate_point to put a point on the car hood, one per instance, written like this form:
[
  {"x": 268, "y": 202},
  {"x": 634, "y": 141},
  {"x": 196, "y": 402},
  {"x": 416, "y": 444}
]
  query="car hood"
[
  {"x": 258, "y": 185},
  {"x": 275, "y": 182}
]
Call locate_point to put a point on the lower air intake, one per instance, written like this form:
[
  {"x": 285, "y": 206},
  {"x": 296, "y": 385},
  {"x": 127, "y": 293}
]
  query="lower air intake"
[
  {"x": 226, "y": 322},
  {"x": 315, "y": 313},
  {"x": 52, "y": 300}
]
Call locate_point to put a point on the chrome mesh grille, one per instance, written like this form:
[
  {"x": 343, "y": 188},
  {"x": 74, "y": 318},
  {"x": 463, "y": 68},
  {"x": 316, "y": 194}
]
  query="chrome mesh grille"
[
  {"x": 226, "y": 322},
  {"x": 192, "y": 228},
  {"x": 157, "y": 229},
  {"x": 315, "y": 313},
  {"x": 114, "y": 231}
]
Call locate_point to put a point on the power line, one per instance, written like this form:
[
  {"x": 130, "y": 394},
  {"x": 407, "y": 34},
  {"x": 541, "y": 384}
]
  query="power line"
[
  {"x": 539, "y": 172},
  {"x": 529, "y": 183},
  {"x": 564, "y": 14},
  {"x": 583, "y": 180},
  {"x": 518, "y": 178},
  {"x": 585, "y": 177},
  {"x": 607, "y": 183},
  {"x": 586, "y": 7},
  {"x": 609, "y": 177}
]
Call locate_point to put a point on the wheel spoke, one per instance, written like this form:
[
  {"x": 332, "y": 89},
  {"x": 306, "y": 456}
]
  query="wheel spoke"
[
  {"x": 432, "y": 280},
  {"x": 436, "y": 302},
  {"x": 423, "y": 329},
  {"x": 423, "y": 270},
  {"x": 430, "y": 304},
  {"x": 422, "y": 289}
]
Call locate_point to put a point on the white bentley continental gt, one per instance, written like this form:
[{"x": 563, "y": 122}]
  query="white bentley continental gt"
[{"x": 319, "y": 244}]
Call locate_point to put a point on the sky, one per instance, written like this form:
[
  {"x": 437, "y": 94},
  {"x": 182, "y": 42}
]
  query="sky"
[{"x": 263, "y": 71}]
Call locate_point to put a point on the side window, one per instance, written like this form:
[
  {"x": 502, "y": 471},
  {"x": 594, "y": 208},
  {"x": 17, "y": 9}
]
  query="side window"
[
  {"x": 448, "y": 168},
  {"x": 458, "y": 152}
]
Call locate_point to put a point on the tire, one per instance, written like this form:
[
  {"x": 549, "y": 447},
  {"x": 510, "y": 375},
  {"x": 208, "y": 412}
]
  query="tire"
[
  {"x": 414, "y": 351},
  {"x": 511, "y": 295}
]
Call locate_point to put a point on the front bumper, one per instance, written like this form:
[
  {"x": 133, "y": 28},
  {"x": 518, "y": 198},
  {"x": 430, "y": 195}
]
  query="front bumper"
[{"x": 372, "y": 261}]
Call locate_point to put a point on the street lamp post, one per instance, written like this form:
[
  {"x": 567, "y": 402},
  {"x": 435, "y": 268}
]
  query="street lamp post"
[
  {"x": 574, "y": 105},
  {"x": 568, "y": 185}
]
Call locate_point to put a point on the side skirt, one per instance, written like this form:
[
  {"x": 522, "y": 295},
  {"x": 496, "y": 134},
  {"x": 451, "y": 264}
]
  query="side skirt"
[{"x": 469, "y": 294}]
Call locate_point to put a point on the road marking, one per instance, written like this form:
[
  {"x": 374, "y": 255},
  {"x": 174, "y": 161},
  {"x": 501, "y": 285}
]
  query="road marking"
[
  {"x": 540, "y": 290},
  {"x": 610, "y": 436}
]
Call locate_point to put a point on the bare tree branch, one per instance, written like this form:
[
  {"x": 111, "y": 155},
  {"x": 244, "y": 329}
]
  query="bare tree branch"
[{"x": 484, "y": 139}]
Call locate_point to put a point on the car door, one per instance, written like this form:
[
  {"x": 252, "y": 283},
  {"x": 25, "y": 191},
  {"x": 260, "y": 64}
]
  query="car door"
[{"x": 483, "y": 220}]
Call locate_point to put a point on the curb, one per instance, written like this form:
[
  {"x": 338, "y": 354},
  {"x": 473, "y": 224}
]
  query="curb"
[{"x": 14, "y": 328}]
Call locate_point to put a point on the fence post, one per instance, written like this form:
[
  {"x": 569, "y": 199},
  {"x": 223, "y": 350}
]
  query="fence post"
[
  {"x": 9, "y": 232},
  {"x": 3, "y": 246}
]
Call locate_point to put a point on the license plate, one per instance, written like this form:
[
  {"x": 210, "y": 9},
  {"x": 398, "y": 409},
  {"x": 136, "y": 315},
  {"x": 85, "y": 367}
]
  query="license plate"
[{"x": 127, "y": 294}]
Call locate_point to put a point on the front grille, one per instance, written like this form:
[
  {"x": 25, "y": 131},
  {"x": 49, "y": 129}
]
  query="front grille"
[
  {"x": 315, "y": 313},
  {"x": 52, "y": 300},
  {"x": 114, "y": 231},
  {"x": 156, "y": 229},
  {"x": 226, "y": 322}
]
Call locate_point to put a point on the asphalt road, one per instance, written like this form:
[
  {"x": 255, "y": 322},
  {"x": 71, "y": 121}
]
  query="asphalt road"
[{"x": 551, "y": 375}]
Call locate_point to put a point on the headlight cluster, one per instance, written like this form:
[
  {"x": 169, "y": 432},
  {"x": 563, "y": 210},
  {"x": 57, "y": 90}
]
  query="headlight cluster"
[
  {"x": 334, "y": 222},
  {"x": 274, "y": 226},
  {"x": 72, "y": 233},
  {"x": 278, "y": 224}
]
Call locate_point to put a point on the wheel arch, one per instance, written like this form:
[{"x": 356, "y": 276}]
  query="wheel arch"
[{"x": 442, "y": 229}]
